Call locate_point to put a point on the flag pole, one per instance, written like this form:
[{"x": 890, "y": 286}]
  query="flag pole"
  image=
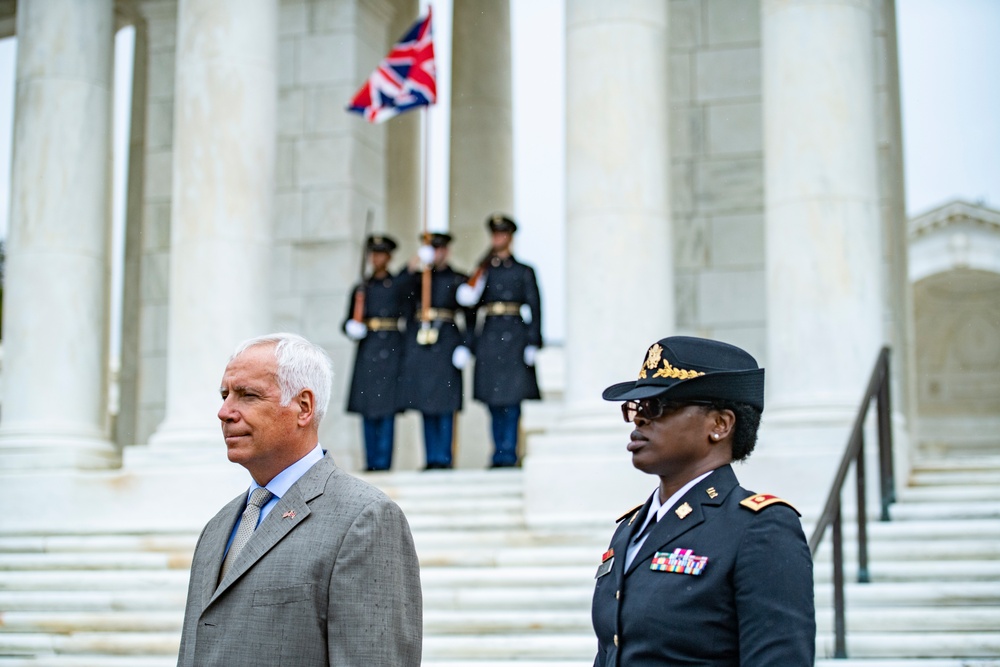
[{"x": 424, "y": 335}]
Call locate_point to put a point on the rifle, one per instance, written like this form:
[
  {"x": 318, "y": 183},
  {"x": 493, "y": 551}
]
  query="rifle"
[
  {"x": 480, "y": 268},
  {"x": 358, "y": 313},
  {"x": 426, "y": 335}
]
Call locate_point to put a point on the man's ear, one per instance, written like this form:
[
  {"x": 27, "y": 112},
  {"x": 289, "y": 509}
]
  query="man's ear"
[{"x": 306, "y": 402}]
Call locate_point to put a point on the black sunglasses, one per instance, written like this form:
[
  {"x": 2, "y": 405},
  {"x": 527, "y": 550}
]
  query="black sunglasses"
[{"x": 653, "y": 408}]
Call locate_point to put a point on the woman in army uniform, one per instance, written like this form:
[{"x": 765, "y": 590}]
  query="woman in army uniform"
[{"x": 704, "y": 572}]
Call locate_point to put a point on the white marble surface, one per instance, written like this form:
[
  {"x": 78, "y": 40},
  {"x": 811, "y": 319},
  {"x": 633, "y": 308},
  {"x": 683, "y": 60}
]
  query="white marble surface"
[
  {"x": 55, "y": 302},
  {"x": 223, "y": 201}
]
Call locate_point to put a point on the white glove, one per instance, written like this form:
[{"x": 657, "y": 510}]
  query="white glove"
[
  {"x": 529, "y": 355},
  {"x": 460, "y": 357},
  {"x": 526, "y": 314},
  {"x": 426, "y": 254},
  {"x": 355, "y": 330},
  {"x": 467, "y": 295}
]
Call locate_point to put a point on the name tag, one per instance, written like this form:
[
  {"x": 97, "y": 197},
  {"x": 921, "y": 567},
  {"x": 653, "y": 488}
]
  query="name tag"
[{"x": 604, "y": 568}]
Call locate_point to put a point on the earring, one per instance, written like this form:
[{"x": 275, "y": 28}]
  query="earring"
[{"x": 716, "y": 436}]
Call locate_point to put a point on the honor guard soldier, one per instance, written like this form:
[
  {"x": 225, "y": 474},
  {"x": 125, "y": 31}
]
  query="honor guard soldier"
[
  {"x": 505, "y": 348},
  {"x": 704, "y": 572},
  {"x": 437, "y": 349},
  {"x": 376, "y": 306}
]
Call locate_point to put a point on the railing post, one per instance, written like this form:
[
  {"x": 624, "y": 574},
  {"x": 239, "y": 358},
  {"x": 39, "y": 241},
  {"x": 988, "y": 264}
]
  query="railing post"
[
  {"x": 859, "y": 475},
  {"x": 839, "y": 622},
  {"x": 887, "y": 475}
]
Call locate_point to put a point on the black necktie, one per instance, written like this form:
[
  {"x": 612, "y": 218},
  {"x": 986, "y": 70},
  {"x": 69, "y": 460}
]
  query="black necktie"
[{"x": 645, "y": 530}]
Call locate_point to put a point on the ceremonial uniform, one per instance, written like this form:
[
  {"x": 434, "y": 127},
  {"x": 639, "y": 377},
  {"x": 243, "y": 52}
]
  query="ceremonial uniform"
[
  {"x": 716, "y": 583},
  {"x": 705, "y": 573},
  {"x": 430, "y": 381},
  {"x": 374, "y": 392},
  {"x": 504, "y": 374}
]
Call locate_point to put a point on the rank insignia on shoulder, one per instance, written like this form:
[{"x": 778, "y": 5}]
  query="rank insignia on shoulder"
[
  {"x": 681, "y": 561},
  {"x": 759, "y": 501},
  {"x": 631, "y": 513}
]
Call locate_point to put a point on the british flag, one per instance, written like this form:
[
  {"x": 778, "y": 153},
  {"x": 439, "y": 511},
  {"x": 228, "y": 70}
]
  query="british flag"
[{"x": 404, "y": 80}]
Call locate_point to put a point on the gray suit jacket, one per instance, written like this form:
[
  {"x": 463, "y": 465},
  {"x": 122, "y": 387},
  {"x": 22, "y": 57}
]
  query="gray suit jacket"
[{"x": 330, "y": 577}]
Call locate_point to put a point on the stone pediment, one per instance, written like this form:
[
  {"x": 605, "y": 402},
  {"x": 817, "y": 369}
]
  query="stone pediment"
[
  {"x": 956, "y": 236},
  {"x": 951, "y": 214}
]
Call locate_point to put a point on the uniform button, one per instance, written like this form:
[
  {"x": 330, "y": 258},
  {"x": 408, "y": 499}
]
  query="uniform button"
[
  {"x": 616, "y": 640},
  {"x": 618, "y": 595}
]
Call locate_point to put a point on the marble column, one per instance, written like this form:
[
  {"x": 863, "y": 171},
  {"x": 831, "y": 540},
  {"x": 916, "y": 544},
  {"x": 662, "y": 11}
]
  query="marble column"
[
  {"x": 619, "y": 253},
  {"x": 482, "y": 147},
  {"x": 56, "y": 317},
  {"x": 222, "y": 203},
  {"x": 823, "y": 234}
]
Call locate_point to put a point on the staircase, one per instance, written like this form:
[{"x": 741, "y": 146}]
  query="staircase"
[{"x": 497, "y": 593}]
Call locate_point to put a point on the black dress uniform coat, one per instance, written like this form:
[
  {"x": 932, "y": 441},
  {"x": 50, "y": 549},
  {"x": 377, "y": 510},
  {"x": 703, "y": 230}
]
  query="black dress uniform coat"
[
  {"x": 377, "y": 361},
  {"x": 502, "y": 377},
  {"x": 430, "y": 383},
  {"x": 751, "y": 605}
]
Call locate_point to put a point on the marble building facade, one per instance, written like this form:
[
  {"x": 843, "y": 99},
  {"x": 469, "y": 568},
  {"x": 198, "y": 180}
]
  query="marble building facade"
[{"x": 733, "y": 170}]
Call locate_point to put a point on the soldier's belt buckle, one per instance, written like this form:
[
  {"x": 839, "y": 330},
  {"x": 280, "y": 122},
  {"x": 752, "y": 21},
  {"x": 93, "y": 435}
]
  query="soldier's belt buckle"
[{"x": 427, "y": 335}]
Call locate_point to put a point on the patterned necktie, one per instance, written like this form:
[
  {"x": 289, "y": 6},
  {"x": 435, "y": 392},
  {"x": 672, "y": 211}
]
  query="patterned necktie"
[{"x": 248, "y": 524}]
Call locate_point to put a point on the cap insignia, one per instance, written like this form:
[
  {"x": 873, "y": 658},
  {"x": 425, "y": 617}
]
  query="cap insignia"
[{"x": 653, "y": 359}]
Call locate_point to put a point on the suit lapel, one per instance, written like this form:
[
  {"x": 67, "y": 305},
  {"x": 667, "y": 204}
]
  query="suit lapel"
[
  {"x": 213, "y": 546},
  {"x": 284, "y": 517},
  {"x": 671, "y": 526}
]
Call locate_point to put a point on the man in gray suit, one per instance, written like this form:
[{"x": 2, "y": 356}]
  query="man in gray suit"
[{"x": 329, "y": 576}]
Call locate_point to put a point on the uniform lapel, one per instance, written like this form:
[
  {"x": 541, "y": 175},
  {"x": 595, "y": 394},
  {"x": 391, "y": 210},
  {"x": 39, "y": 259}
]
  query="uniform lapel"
[
  {"x": 624, "y": 536},
  {"x": 672, "y": 526},
  {"x": 288, "y": 514}
]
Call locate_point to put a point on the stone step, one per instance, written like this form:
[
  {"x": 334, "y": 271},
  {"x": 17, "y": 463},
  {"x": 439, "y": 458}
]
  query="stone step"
[
  {"x": 872, "y": 595},
  {"x": 67, "y": 622},
  {"x": 859, "y": 620},
  {"x": 90, "y": 601},
  {"x": 167, "y": 543},
  {"x": 985, "y": 509},
  {"x": 141, "y": 644},
  {"x": 949, "y": 494},
  {"x": 957, "y": 477},
  {"x": 165, "y": 661},
  {"x": 972, "y": 462},
  {"x": 916, "y": 645},
  {"x": 111, "y": 580}
]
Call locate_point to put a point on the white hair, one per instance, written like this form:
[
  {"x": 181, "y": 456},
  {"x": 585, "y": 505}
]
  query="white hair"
[{"x": 301, "y": 365}]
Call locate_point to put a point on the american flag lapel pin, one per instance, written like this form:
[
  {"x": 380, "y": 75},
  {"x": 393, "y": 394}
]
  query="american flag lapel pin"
[{"x": 288, "y": 515}]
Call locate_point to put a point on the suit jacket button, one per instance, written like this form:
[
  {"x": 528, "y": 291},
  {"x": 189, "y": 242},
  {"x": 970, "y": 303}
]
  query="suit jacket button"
[{"x": 616, "y": 640}]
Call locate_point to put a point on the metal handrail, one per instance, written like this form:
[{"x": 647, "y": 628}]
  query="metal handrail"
[{"x": 878, "y": 390}]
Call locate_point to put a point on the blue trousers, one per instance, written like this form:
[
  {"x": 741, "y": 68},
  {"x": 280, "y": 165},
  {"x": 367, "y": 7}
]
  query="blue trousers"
[
  {"x": 378, "y": 441},
  {"x": 505, "y": 421},
  {"x": 437, "y": 439}
]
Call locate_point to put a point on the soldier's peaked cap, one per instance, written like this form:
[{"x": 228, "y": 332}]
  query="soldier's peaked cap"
[
  {"x": 380, "y": 243},
  {"x": 684, "y": 367},
  {"x": 437, "y": 239},
  {"x": 498, "y": 222}
]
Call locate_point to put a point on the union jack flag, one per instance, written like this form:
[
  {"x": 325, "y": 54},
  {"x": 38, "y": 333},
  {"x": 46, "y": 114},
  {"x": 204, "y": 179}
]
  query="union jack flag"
[{"x": 404, "y": 80}]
